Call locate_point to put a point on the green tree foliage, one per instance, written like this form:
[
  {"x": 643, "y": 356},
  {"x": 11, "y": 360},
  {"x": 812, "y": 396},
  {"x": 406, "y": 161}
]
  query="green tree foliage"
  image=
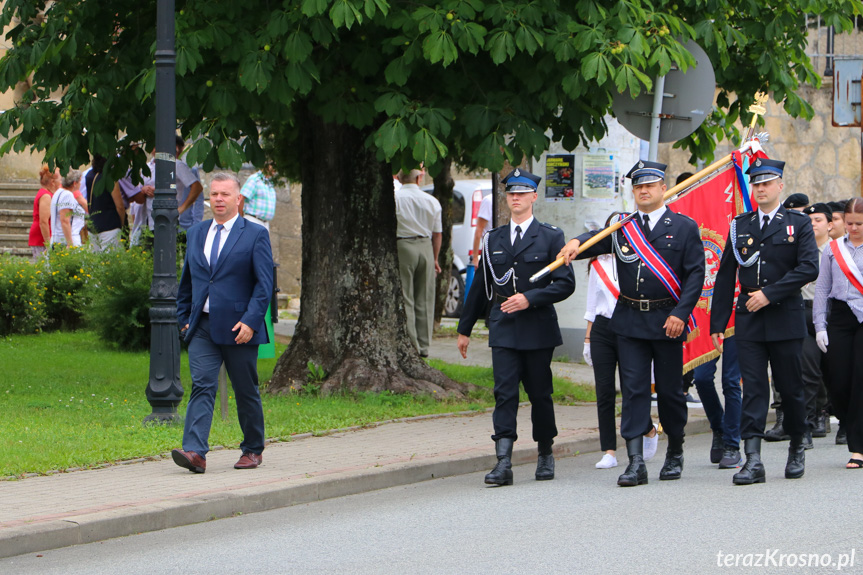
[{"x": 482, "y": 81}]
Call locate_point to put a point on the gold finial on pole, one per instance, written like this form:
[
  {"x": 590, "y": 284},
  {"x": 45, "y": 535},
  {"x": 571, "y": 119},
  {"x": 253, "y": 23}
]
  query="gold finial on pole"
[{"x": 757, "y": 108}]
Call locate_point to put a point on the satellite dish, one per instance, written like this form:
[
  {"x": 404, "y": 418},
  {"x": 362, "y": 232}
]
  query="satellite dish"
[{"x": 688, "y": 100}]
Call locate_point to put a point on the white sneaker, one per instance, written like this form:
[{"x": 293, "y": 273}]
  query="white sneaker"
[
  {"x": 650, "y": 445},
  {"x": 607, "y": 462}
]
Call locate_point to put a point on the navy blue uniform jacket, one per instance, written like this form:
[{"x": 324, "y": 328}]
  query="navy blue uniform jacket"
[
  {"x": 239, "y": 288},
  {"x": 532, "y": 328},
  {"x": 677, "y": 239},
  {"x": 789, "y": 260}
]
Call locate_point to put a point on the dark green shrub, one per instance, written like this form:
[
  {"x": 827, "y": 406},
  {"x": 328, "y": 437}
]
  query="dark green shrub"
[
  {"x": 22, "y": 307},
  {"x": 119, "y": 308}
]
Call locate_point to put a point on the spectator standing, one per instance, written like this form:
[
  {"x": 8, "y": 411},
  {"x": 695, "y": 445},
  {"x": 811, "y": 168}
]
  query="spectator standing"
[
  {"x": 838, "y": 318},
  {"x": 483, "y": 226},
  {"x": 258, "y": 197},
  {"x": 418, "y": 238},
  {"x": 838, "y": 218},
  {"x": 67, "y": 215},
  {"x": 40, "y": 229},
  {"x": 107, "y": 211}
]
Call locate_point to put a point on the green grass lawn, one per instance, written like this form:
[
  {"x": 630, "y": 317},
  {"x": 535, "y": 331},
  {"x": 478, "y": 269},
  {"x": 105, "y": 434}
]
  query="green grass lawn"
[{"x": 67, "y": 401}]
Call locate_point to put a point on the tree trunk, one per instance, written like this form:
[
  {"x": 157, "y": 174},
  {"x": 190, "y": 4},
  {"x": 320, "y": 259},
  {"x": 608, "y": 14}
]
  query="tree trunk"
[
  {"x": 352, "y": 321},
  {"x": 443, "y": 186}
]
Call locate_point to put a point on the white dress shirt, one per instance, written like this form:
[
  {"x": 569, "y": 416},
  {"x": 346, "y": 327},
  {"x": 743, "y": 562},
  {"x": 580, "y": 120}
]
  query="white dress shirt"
[
  {"x": 208, "y": 245},
  {"x": 523, "y": 225},
  {"x": 600, "y": 300},
  {"x": 770, "y": 216},
  {"x": 653, "y": 217}
]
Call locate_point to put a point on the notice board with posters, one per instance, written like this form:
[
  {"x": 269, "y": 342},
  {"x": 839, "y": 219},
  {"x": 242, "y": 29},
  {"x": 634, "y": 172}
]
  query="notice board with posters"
[
  {"x": 559, "y": 177},
  {"x": 598, "y": 177}
]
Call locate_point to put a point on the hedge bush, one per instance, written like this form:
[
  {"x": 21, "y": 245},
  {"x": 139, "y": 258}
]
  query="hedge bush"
[
  {"x": 22, "y": 305},
  {"x": 67, "y": 273}
]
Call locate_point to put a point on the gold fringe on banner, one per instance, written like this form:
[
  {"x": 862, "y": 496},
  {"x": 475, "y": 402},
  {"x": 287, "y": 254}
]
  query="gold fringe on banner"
[{"x": 701, "y": 360}]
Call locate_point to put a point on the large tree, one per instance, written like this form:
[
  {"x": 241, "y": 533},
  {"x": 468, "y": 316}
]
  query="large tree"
[{"x": 341, "y": 93}]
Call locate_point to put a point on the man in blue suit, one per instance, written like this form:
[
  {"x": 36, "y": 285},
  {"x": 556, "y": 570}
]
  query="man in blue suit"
[{"x": 224, "y": 293}]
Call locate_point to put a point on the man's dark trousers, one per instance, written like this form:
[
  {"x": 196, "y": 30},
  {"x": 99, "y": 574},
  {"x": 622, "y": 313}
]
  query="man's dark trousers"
[
  {"x": 205, "y": 360},
  {"x": 533, "y": 368}
]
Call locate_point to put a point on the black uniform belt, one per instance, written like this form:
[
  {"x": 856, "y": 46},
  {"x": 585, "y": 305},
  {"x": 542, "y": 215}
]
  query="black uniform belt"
[
  {"x": 808, "y": 302},
  {"x": 744, "y": 288},
  {"x": 647, "y": 304},
  {"x": 413, "y": 238}
]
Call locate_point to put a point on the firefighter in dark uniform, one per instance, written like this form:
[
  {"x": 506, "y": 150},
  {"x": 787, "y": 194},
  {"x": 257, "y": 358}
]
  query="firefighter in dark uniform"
[
  {"x": 522, "y": 324},
  {"x": 649, "y": 321},
  {"x": 772, "y": 251}
]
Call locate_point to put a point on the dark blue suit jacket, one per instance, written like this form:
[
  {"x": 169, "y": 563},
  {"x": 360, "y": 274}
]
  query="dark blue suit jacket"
[
  {"x": 535, "y": 327},
  {"x": 239, "y": 287},
  {"x": 678, "y": 241}
]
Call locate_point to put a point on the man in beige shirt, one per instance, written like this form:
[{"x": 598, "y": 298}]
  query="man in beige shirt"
[{"x": 418, "y": 237}]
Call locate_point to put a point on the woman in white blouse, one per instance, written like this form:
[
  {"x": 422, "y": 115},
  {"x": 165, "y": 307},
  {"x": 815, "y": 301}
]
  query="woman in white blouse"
[
  {"x": 839, "y": 329},
  {"x": 67, "y": 215},
  {"x": 600, "y": 352}
]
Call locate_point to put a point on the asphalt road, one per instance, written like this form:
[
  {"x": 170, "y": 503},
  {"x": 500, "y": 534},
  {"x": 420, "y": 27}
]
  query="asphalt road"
[{"x": 579, "y": 523}]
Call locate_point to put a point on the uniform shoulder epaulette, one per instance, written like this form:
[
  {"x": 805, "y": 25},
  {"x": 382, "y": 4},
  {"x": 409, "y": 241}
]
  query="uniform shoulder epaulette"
[
  {"x": 687, "y": 217},
  {"x": 796, "y": 214},
  {"x": 498, "y": 228},
  {"x": 549, "y": 226},
  {"x": 743, "y": 215}
]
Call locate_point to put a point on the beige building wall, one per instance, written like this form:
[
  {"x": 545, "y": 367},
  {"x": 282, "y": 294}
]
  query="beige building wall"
[{"x": 821, "y": 161}]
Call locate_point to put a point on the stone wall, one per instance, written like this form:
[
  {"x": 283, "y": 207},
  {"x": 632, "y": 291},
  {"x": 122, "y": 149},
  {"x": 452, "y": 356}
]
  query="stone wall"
[{"x": 822, "y": 161}]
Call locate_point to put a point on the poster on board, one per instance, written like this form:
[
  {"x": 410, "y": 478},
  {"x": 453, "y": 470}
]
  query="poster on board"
[
  {"x": 598, "y": 177},
  {"x": 559, "y": 177}
]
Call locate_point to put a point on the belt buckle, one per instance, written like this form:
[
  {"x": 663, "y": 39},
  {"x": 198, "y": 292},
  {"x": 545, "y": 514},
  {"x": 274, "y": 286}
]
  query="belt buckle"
[{"x": 644, "y": 305}]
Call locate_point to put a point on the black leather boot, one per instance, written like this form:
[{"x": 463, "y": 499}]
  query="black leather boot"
[
  {"x": 796, "y": 458},
  {"x": 778, "y": 431},
  {"x": 502, "y": 472},
  {"x": 716, "y": 447},
  {"x": 841, "y": 435},
  {"x": 807, "y": 440},
  {"x": 819, "y": 426},
  {"x": 636, "y": 471},
  {"x": 753, "y": 469},
  {"x": 673, "y": 466},
  {"x": 545, "y": 461}
]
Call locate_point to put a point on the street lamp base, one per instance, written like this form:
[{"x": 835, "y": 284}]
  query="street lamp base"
[{"x": 164, "y": 416}]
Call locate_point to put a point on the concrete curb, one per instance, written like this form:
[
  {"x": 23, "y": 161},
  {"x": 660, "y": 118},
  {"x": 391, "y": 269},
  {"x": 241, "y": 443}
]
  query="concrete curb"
[{"x": 122, "y": 522}]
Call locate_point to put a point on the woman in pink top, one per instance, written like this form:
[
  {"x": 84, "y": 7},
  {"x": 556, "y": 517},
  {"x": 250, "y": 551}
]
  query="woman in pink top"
[{"x": 40, "y": 229}]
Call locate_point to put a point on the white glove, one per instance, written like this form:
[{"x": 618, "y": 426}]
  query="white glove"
[
  {"x": 822, "y": 341},
  {"x": 587, "y": 359}
]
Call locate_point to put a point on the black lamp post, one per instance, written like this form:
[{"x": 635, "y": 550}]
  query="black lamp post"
[{"x": 164, "y": 390}]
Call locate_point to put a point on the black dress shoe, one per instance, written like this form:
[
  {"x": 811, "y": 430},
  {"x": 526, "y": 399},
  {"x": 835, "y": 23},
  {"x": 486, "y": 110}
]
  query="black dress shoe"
[
  {"x": 502, "y": 472},
  {"x": 545, "y": 462},
  {"x": 841, "y": 436},
  {"x": 807, "y": 440},
  {"x": 730, "y": 458},
  {"x": 716, "y": 447},
  {"x": 778, "y": 431},
  {"x": 636, "y": 471},
  {"x": 796, "y": 463},
  {"x": 673, "y": 466},
  {"x": 753, "y": 469}
]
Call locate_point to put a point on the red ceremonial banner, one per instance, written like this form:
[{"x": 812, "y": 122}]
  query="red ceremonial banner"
[{"x": 712, "y": 204}]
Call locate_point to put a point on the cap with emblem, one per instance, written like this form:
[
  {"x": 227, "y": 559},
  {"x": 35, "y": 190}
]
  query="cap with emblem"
[
  {"x": 797, "y": 200},
  {"x": 646, "y": 173},
  {"x": 521, "y": 182},
  {"x": 764, "y": 170},
  {"x": 837, "y": 206},
  {"x": 819, "y": 208}
]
